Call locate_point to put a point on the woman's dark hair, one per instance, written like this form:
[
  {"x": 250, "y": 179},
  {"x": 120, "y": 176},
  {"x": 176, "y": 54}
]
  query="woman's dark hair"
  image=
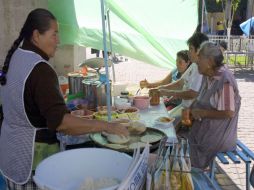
[
  {"x": 184, "y": 54},
  {"x": 211, "y": 50},
  {"x": 197, "y": 39},
  {"x": 38, "y": 19}
]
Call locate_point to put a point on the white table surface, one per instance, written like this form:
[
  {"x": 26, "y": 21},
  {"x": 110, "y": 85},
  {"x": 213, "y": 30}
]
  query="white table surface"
[{"x": 148, "y": 116}]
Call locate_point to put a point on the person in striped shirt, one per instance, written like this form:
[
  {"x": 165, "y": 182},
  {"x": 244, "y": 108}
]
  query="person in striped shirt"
[{"x": 215, "y": 111}]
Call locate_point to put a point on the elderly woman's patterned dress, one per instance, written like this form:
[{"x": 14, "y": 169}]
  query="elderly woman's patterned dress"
[{"x": 210, "y": 136}]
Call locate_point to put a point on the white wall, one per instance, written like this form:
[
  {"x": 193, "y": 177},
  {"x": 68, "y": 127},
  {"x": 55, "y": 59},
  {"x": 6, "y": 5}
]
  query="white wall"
[{"x": 12, "y": 17}]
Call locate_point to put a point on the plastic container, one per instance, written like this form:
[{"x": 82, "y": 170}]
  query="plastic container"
[
  {"x": 154, "y": 94},
  {"x": 141, "y": 102},
  {"x": 67, "y": 170}
]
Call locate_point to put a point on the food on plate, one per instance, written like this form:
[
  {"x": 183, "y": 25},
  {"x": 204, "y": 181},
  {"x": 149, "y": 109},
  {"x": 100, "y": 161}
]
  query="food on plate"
[
  {"x": 136, "y": 145},
  {"x": 122, "y": 121},
  {"x": 103, "y": 115},
  {"x": 130, "y": 110},
  {"x": 103, "y": 110},
  {"x": 117, "y": 139},
  {"x": 151, "y": 138},
  {"x": 136, "y": 127},
  {"x": 165, "y": 119},
  {"x": 116, "y": 146},
  {"x": 96, "y": 184}
]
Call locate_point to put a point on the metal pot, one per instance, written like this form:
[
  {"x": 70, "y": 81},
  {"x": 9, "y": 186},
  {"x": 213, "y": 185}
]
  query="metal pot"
[
  {"x": 96, "y": 93},
  {"x": 75, "y": 82}
]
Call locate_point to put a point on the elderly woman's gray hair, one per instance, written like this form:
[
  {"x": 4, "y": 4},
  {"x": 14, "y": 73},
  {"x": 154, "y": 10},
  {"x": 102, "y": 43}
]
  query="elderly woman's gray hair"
[{"x": 213, "y": 51}]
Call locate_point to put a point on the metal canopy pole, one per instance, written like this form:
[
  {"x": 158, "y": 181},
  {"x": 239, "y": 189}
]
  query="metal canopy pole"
[
  {"x": 111, "y": 47},
  {"x": 202, "y": 16},
  {"x": 106, "y": 60}
]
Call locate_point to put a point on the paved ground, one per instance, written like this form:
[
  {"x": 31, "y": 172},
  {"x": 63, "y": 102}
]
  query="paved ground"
[{"x": 133, "y": 71}]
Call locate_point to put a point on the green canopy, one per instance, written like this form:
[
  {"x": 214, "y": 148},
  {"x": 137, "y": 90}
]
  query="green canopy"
[{"x": 150, "y": 31}]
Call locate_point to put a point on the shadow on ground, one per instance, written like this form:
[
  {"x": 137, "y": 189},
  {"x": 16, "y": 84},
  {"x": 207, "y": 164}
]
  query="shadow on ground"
[{"x": 244, "y": 74}]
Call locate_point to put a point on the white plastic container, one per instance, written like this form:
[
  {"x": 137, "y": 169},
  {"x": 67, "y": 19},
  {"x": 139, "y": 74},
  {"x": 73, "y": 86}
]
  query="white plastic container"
[
  {"x": 67, "y": 170},
  {"x": 118, "y": 87}
]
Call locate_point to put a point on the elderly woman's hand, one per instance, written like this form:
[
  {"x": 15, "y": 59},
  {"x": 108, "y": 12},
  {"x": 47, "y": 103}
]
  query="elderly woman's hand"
[
  {"x": 163, "y": 92},
  {"x": 170, "y": 93},
  {"x": 117, "y": 129},
  {"x": 197, "y": 114}
]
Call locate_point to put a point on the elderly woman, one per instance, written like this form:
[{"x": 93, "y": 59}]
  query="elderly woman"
[{"x": 216, "y": 109}]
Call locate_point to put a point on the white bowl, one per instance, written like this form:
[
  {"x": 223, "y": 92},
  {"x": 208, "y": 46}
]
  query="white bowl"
[
  {"x": 164, "y": 123},
  {"x": 67, "y": 170}
]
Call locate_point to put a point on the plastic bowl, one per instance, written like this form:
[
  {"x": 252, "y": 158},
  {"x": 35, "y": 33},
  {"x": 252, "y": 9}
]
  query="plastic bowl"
[
  {"x": 141, "y": 102},
  {"x": 67, "y": 170},
  {"x": 164, "y": 122}
]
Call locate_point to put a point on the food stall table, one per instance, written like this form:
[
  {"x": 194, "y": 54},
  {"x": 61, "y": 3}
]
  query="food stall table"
[{"x": 148, "y": 116}]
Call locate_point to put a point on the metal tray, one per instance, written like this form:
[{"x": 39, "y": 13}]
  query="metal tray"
[{"x": 102, "y": 141}]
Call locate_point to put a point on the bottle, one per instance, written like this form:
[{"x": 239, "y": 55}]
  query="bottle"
[{"x": 154, "y": 94}]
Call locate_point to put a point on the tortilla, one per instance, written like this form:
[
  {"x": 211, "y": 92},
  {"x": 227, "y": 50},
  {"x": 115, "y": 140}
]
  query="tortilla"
[
  {"x": 137, "y": 127},
  {"x": 116, "y": 139},
  {"x": 136, "y": 145},
  {"x": 116, "y": 146},
  {"x": 150, "y": 138}
]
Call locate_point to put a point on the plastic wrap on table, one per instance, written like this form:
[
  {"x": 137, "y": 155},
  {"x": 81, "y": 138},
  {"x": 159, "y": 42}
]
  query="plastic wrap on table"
[
  {"x": 173, "y": 171},
  {"x": 71, "y": 140},
  {"x": 201, "y": 181}
]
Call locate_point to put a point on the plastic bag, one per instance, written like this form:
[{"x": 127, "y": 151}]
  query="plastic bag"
[
  {"x": 252, "y": 176},
  {"x": 186, "y": 179}
]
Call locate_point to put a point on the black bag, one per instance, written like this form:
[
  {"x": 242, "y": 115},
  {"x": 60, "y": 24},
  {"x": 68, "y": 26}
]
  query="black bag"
[{"x": 252, "y": 176}]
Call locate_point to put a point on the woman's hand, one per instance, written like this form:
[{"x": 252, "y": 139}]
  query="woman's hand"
[
  {"x": 117, "y": 129},
  {"x": 197, "y": 114},
  {"x": 143, "y": 84}
]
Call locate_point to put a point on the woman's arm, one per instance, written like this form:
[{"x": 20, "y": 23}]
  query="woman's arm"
[
  {"x": 76, "y": 126},
  {"x": 166, "y": 80},
  {"x": 176, "y": 94},
  {"x": 212, "y": 114},
  {"x": 177, "y": 85},
  {"x": 223, "y": 102}
]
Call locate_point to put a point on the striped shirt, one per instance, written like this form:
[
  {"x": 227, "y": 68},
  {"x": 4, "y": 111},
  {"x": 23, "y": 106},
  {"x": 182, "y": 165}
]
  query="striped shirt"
[{"x": 222, "y": 100}]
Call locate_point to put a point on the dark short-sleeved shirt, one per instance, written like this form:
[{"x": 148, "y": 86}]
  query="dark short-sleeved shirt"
[{"x": 44, "y": 103}]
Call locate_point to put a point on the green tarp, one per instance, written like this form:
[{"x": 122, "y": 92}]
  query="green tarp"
[{"x": 150, "y": 31}]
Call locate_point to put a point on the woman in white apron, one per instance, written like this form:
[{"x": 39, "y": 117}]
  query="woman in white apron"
[{"x": 33, "y": 106}]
